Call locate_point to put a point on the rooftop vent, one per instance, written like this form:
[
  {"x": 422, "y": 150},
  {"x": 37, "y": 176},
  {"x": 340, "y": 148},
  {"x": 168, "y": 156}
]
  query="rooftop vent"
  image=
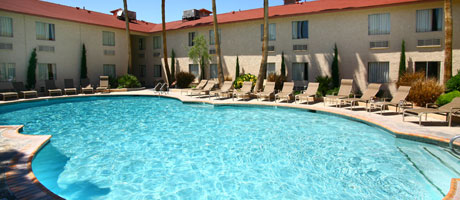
[
  {"x": 286, "y": 2},
  {"x": 119, "y": 13}
]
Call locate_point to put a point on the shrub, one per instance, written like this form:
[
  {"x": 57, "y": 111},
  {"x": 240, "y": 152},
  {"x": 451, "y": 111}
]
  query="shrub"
[
  {"x": 453, "y": 83},
  {"x": 407, "y": 79},
  {"x": 278, "y": 79},
  {"x": 184, "y": 79},
  {"x": 325, "y": 84},
  {"x": 31, "y": 80},
  {"x": 128, "y": 81},
  {"x": 447, "y": 98},
  {"x": 423, "y": 92},
  {"x": 245, "y": 77}
]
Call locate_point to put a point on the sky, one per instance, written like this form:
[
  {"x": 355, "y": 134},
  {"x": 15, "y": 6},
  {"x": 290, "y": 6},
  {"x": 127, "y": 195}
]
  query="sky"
[{"x": 150, "y": 10}]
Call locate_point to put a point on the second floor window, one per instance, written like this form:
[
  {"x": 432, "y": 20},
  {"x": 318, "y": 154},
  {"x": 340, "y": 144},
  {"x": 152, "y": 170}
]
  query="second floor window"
[
  {"x": 300, "y": 30},
  {"x": 379, "y": 24},
  {"x": 191, "y": 37},
  {"x": 156, "y": 42},
  {"x": 430, "y": 20},
  {"x": 212, "y": 39},
  {"x": 6, "y": 27},
  {"x": 108, "y": 38},
  {"x": 141, "y": 43},
  {"x": 45, "y": 31},
  {"x": 7, "y": 72},
  {"x": 271, "y": 32}
]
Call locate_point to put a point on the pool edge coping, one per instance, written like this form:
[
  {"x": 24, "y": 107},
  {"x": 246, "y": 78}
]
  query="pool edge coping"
[{"x": 33, "y": 181}]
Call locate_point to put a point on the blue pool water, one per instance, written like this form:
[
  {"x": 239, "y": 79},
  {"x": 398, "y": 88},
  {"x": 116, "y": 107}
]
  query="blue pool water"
[{"x": 158, "y": 148}]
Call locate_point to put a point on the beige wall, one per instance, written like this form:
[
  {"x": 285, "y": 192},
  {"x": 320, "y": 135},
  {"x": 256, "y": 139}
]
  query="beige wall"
[{"x": 68, "y": 43}]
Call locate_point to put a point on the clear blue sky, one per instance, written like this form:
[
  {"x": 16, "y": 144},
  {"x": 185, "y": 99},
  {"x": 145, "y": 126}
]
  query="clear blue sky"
[{"x": 150, "y": 10}]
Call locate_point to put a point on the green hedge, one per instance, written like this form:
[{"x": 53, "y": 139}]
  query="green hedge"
[{"x": 447, "y": 98}]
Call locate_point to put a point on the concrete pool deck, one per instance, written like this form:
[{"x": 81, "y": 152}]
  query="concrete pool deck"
[{"x": 17, "y": 150}]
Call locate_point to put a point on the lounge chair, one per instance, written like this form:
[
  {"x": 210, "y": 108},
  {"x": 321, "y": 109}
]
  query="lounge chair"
[
  {"x": 209, "y": 86},
  {"x": 344, "y": 92},
  {"x": 245, "y": 91},
  {"x": 268, "y": 93},
  {"x": 68, "y": 87},
  {"x": 157, "y": 88},
  {"x": 23, "y": 91},
  {"x": 449, "y": 109},
  {"x": 398, "y": 101},
  {"x": 103, "y": 84},
  {"x": 311, "y": 91},
  {"x": 51, "y": 88},
  {"x": 198, "y": 87},
  {"x": 7, "y": 91},
  {"x": 286, "y": 92},
  {"x": 224, "y": 91},
  {"x": 368, "y": 95},
  {"x": 164, "y": 88},
  {"x": 86, "y": 86}
]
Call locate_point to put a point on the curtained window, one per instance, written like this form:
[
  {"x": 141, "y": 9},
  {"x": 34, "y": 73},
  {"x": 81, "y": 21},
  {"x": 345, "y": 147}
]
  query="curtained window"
[
  {"x": 213, "y": 71},
  {"x": 109, "y": 70},
  {"x": 47, "y": 71},
  {"x": 45, "y": 31},
  {"x": 7, "y": 72},
  {"x": 430, "y": 20},
  {"x": 6, "y": 27},
  {"x": 212, "y": 40},
  {"x": 271, "y": 32},
  {"x": 141, "y": 43},
  {"x": 379, "y": 72},
  {"x": 300, "y": 71},
  {"x": 157, "y": 71},
  {"x": 379, "y": 24},
  {"x": 156, "y": 42},
  {"x": 271, "y": 69},
  {"x": 300, "y": 30},
  {"x": 191, "y": 37},
  {"x": 108, "y": 38},
  {"x": 194, "y": 69}
]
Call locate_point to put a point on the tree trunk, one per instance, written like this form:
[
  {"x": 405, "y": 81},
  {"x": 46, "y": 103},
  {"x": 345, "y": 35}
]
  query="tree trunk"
[
  {"x": 165, "y": 47},
  {"x": 220, "y": 71},
  {"x": 263, "y": 63},
  {"x": 128, "y": 37},
  {"x": 448, "y": 40}
]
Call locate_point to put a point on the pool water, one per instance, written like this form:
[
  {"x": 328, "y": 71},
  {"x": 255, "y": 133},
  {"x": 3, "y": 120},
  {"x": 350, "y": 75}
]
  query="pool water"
[{"x": 159, "y": 148}]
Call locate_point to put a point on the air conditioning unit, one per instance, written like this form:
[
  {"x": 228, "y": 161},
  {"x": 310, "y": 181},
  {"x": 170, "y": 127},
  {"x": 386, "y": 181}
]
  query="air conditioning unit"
[
  {"x": 121, "y": 15},
  {"x": 191, "y": 14}
]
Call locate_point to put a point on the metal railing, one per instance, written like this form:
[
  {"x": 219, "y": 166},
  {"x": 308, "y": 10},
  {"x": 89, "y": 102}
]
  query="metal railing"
[{"x": 451, "y": 144}]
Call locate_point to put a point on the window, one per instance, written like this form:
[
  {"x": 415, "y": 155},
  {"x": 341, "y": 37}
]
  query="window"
[
  {"x": 300, "y": 30},
  {"x": 156, "y": 42},
  {"x": 109, "y": 70},
  {"x": 300, "y": 47},
  {"x": 430, "y": 68},
  {"x": 429, "y": 43},
  {"x": 6, "y": 45},
  {"x": 212, "y": 40},
  {"x": 143, "y": 70},
  {"x": 212, "y": 51},
  {"x": 108, "y": 38},
  {"x": 430, "y": 20},
  {"x": 157, "y": 71},
  {"x": 109, "y": 52},
  {"x": 271, "y": 69},
  {"x": 193, "y": 68},
  {"x": 141, "y": 43},
  {"x": 378, "y": 44},
  {"x": 379, "y": 72},
  {"x": 45, "y": 31},
  {"x": 6, "y": 27},
  {"x": 45, "y": 48},
  {"x": 271, "y": 32},
  {"x": 191, "y": 37},
  {"x": 213, "y": 71},
  {"x": 379, "y": 24},
  {"x": 47, "y": 71},
  {"x": 7, "y": 72},
  {"x": 300, "y": 71}
]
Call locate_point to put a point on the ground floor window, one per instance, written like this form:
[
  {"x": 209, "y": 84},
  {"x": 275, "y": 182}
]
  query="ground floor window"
[
  {"x": 109, "y": 70},
  {"x": 300, "y": 71},
  {"x": 431, "y": 69},
  {"x": 143, "y": 71},
  {"x": 47, "y": 71},
  {"x": 157, "y": 71},
  {"x": 194, "y": 69},
  {"x": 379, "y": 72},
  {"x": 271, "y": 69},
  {"x": 7, "y": 71},
  {"x": 213, "y": 71}
]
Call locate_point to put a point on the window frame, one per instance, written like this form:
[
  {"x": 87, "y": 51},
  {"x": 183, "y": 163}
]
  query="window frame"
[
  {"x": 191, "y": 38},
  {"x": 108, "y": 42},
  {"x": 11, "y": 27},
  {"x": 156, "y": 42},
  {"x": 47, "y": 73},
  {"x": 296, "y": 25},
  {"x": 427, "y": 72},
  {"x": 377, "y": 30},
  {"x": 6, "y": 69},
  {"x": 157, "y": 71},
  {"x": 212, "y": 40},
  {"x": 271, "y": 27},
  {"x": 49, "y": 31},
  {"x": 211, "y": 66},
  {"x": 141, "y": 44},
  {"x": 105, "y": 73},
  {"x": 431, "y": 14},
  {"x": 306, "y": 67},
  {"x": 270, "y": 64},
  {"x": 197, "y": 75},
  {"x": 386, "y": 76}
]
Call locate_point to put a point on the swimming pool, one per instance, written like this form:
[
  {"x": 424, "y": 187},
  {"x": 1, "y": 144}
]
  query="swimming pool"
[{"x": 152, "y": 148}]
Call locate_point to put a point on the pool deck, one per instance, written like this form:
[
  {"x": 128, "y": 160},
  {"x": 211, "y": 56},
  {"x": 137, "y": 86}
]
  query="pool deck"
[{"x": 17, "y": 150}]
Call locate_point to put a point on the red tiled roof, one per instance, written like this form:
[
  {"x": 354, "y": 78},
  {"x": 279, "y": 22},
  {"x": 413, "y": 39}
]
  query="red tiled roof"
[{"x": 46, "y": 9}]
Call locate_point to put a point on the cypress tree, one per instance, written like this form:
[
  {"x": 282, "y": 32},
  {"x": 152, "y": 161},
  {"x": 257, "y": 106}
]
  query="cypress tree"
[
  {"x": 402, "y": 61},
  {"x": 335, "y": 68},
  {"x": 237, "y": 70},
  {"x": 283, "y": 65},
  {"x": 31, "y": 80},
  {"x": 173, "y": 66},
  {"x": 83, "y": 67}
]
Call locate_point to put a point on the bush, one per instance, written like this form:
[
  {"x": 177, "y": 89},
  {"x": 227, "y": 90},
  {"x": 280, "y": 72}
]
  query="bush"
[
  {"x": 245, "y": 77},
  {"x": 184, "y": 79},
  {"x": 279, "y": 80},
  {"x": 325, "y": 85},
  {"x": 423, "y": 92},
  {"x": 447, "y": 98},
  {"x": 407, "y": 79},
  {"x": 128, "y": 81},
  {"x": 453, "y": 83}
]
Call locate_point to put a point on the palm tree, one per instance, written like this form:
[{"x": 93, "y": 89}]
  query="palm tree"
[
  {"x": 220, "y": 73},
  {"x": 263, "y": 63},
  {"x": 130, "y": 67},
  {"x": 448, "y": 40},
  {"x": 165, "y": 47}
]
